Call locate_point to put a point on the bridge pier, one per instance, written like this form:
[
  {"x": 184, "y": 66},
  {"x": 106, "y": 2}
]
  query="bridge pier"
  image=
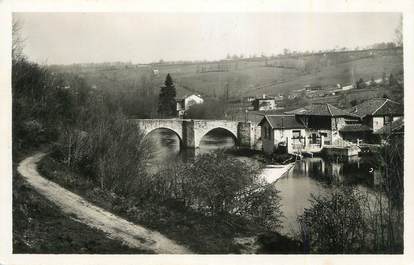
[
  {"x": 189, "y": 134},
  {"x": 245, "y": 135}
]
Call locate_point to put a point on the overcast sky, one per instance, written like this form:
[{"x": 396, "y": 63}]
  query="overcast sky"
[{"x": 64, "y": 38}]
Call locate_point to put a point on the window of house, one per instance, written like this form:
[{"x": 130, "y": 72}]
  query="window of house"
[
  {"x": 352, "y": 121},
  {"x": 323, "y": 134},
  {"x": 296, "y": 134}
]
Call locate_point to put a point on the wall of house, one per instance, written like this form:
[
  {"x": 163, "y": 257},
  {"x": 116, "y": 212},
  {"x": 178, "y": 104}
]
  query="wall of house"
[
  {"x": 267, "y": 140},
  {"x": 264, "y": 104},
  {"x": 293, "y": 145},
  {"x": 337, "y": 123},
  {"x": 258, "y": 145},
  {"x": 377, "y": 123}
]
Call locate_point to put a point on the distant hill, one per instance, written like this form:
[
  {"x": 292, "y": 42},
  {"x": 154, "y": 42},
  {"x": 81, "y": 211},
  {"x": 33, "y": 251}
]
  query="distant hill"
[{"x": 245, "y": 77}]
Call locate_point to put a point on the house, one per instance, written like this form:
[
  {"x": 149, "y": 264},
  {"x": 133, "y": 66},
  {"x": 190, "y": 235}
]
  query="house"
[
  {"x": 264, "y": 103},
  {"x": 378, "y": 112},
  {"x": 281, "y": 131},
  {"x": 183, "y": 104},
  {"x": 322, "y": 125},
  {"x": 391, "y": 130},
  {"x": 327, "y": 121}
]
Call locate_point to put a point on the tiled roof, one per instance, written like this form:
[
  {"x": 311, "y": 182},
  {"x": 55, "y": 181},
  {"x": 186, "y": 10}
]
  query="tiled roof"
[
  {"x": 322, "y": 109},
  {"x": 377, "y": 107},
  {"x": 394, "y": 126},
  {"x": 355, "y": 128},
  {"x": 283, "y": 122}
]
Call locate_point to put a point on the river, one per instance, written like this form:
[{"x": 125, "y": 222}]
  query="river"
[{"x": 308, "y": 176}]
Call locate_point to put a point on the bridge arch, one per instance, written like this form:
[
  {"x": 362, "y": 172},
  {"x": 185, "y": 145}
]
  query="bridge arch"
[
  {"x": 229, "y": 132},
  {"x": 149, "y": 125},
  {"x": 178, "y": 134}
]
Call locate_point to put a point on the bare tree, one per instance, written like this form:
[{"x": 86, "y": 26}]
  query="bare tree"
[
  {"x": 399, "y": 33},
  {"x": 17, "y": 40}
]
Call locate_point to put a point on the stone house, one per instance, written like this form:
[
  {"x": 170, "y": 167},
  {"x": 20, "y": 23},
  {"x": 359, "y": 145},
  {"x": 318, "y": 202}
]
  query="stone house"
[
  {"x": 264, "y": 103},
  {"x": 327, "y": 121},
  {"x": 313, "y": 127},
  {"x": 378, "y": 112},
  {"x": 391, "y": 130},
  {"x": 281, "y": 131},
  {"x": 307, "y": 129},
  {"x": 183, "y": 104}
]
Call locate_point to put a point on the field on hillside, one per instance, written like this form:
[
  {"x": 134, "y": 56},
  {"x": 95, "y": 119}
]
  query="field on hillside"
[{"x": 243, "y": 78}]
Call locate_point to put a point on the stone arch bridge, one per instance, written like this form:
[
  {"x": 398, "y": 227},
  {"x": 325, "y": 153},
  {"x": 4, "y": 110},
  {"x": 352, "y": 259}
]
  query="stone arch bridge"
[{"x": 191, "y": 132}]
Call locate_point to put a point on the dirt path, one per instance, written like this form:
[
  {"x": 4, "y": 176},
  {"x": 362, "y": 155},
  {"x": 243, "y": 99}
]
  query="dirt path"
[{"x": 113, "y": 226}]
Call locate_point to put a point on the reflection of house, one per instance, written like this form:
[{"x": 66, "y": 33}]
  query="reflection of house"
[
  {"x": 186, "y": 102},
  {"x": 264, "y": 103},
  {"x": 375, "y": 113}
]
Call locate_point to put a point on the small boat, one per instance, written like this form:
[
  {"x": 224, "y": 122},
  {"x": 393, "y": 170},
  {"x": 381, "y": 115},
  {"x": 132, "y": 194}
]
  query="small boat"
[{"x": 275, "y": 166}]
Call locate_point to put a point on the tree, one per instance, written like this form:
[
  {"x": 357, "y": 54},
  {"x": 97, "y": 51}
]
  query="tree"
[
  {"x": 17, "y": 41},
  {"x": 399, "y": 34},
  {"x": 166, "y": 103},
  {"x": 392, "y": 81},
  {"x": 360, "y": 84}
]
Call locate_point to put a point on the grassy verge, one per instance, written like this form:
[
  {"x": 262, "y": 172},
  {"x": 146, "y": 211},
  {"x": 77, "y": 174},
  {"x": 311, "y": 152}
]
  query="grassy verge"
[
  {"x": 199, "y": 233},
  {"x": 39, "y": 227}
]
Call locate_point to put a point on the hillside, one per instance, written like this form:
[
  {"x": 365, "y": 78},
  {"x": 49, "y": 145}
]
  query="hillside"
[{"x": 244, "y": 77}]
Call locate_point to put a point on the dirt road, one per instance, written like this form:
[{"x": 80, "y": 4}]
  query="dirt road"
[{"x": 113, "y": 226}]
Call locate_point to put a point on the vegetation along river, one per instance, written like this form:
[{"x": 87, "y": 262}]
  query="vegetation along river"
[{"x": 308, "y": 176}]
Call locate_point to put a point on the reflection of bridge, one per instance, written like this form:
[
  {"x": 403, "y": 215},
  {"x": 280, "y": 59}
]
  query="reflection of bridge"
[{"x": 191, "y": 132}]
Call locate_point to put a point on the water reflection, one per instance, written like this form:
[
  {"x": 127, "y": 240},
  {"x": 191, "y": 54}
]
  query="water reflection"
[{"x": 318, "y": 176}]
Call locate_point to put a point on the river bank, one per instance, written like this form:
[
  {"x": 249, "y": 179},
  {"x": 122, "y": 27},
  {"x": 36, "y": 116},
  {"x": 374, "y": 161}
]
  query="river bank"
[{"x": 202, "y": 234}]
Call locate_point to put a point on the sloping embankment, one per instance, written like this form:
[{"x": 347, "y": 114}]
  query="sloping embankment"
[{"x": 115, "y": 227}]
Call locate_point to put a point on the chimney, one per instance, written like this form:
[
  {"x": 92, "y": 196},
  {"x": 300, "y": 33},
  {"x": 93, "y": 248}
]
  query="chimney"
[{"x": 264, "y": 96}]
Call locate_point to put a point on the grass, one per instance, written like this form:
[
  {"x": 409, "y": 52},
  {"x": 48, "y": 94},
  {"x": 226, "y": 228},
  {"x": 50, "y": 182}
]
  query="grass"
[
  {"x": 39, "y": 227},
  {"x": 245, "y": 78}
]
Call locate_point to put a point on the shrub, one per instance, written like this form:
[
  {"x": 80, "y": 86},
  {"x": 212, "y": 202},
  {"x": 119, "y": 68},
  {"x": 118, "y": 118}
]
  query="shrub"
[
  {"x": 334, "y": 223},
  {"x": 222, "y": 186},
  {"x": 109, "y": 150}
]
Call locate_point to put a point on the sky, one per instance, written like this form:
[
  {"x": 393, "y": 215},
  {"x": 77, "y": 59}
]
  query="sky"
[{"x": 65, "y": 38}]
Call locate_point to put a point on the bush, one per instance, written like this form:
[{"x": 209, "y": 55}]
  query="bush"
[
  {"x": 334, "y": 223},
  {"x": 222, "y": 186},
  {"x": 109, "y": 150}
]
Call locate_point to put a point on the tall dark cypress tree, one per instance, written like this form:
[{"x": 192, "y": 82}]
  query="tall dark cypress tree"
[{"x": 167, "y": 106}]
